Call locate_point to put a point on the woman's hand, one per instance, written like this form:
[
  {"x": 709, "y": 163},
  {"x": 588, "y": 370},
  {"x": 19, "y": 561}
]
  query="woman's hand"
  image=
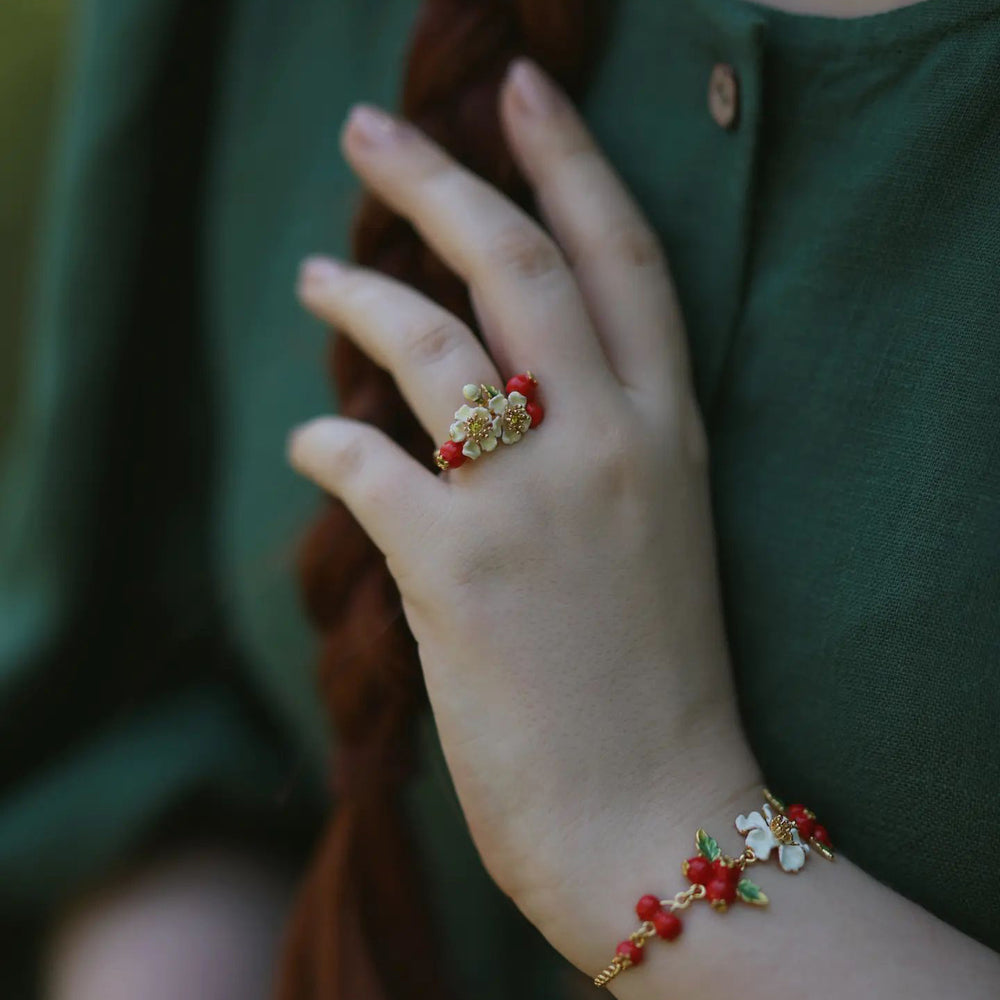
[{"x": 562, "y": 590}]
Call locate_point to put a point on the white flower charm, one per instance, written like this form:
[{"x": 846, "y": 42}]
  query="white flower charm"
[
  {"x": 478, "y": 427},
  {"x": 771, "y": 830},
  {"x": 514, "y": 417}
]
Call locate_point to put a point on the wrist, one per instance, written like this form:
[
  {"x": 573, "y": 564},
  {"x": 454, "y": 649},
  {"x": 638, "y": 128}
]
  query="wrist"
[{"x": 582, "y": 897}]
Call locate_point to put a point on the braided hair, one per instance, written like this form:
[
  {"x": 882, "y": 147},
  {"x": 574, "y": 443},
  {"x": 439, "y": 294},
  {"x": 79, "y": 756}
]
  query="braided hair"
[{"x": 363, "y": 884}]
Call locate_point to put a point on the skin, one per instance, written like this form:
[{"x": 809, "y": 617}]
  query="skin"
[
  {"x": 563, "y": 590},
  {"x": 614, "y": 870}
]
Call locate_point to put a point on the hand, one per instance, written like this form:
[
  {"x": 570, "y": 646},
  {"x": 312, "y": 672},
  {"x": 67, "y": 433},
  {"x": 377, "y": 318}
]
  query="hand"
[{"x": 563, "y": 589}]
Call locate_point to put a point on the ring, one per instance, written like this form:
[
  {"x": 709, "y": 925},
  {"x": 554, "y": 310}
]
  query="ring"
[{"x": 489, "y": 417}]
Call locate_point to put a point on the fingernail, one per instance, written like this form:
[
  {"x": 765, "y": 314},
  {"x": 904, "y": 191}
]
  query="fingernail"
[
  {"x": 316, "y": 272},
  {"x": 318, "y": 269},
  {"x": 534, "y": 92},
  {"x": 371, "y": 125},
  {"x": 292, "y": 438}
]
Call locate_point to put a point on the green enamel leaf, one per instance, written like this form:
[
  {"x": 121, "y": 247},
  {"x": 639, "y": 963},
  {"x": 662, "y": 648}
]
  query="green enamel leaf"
[
  {"x": 708, "y": 847},
  {"x": 750, "y": 893}
]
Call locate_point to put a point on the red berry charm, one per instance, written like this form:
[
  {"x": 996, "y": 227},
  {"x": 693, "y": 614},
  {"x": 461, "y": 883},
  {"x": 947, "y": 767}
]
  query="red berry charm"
[
  {"x": 804, "y": 819},
  {"x": 720, "y": 879},
  {"x": 809, "y": 828},
  {"x": 721, "y": 869},
  {"x": 526, "y": 384},
  {"x": 449, "y": 455},
  {"x": 722, "y": 876},
  {"x": 698, "y": 870},
  {"x": 667, "y": 925},
  {"x": 631, "y": 951},
  {"x": 806, "y": 826},
  {"x": 720, "y": 892}
]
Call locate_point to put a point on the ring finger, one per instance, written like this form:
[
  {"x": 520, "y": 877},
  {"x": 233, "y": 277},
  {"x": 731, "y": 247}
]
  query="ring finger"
[{"x": 429, "y": 352}]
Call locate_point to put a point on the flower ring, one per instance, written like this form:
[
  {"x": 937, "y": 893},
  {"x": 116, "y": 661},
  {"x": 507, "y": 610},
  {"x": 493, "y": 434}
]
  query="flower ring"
[{"x": 489, "y": 417}]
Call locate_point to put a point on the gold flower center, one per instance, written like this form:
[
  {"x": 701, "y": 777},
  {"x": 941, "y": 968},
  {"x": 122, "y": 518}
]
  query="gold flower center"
[
  {"x": 515, "y": 419},
  {"x": 781, "y": 827},
  {"x": 478, "y": 427}
]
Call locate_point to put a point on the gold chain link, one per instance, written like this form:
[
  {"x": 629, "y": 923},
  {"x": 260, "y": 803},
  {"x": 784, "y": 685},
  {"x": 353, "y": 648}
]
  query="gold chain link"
[
  {"x": 618, "y": 965},
  {"x": 643, "y": 934},
  {"x": 684, "y": 898}
]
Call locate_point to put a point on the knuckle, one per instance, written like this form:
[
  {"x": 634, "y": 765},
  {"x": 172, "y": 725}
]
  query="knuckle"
[
  {"x": 638, "y": 246},
  {"x": 632, "y": 244},
  {"x": 357, "y": 287},
  {"x": 526, "y": 252},
  {"x": 610, "y": 463},
  {"x": 437, "y": 171},
  {"x": 433, "y": 340},
  {"x": 348, "y": 457},
  {"x": 614, "y": 458}
]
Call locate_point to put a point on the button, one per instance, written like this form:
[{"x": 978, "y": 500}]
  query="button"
[{"x": 724, "y": 95}]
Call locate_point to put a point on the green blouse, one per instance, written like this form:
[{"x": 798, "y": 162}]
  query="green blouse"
[{"x": 836, "y": 250}]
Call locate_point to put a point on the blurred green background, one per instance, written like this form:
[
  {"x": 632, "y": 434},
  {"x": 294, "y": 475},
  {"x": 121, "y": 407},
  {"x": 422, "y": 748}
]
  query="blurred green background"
[{"x": 32, "y": 44}]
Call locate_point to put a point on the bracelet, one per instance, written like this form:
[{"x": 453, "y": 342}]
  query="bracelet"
[{"x": 720, "y": 879}]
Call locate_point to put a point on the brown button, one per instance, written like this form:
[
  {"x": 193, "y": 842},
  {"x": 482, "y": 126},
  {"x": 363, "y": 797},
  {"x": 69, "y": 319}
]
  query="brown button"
[{"x": 724, "y": 95}]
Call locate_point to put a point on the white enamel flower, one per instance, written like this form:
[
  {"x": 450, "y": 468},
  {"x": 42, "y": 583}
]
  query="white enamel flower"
[
  {"x": 478, "y": 427},
  {"x": 771, "y": 830},
  {"x": 514, "y": 418}
]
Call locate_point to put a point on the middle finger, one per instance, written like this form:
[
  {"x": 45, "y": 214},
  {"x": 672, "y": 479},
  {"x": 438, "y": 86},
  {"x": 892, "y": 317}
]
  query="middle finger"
[{"x": 513, "y": 267}]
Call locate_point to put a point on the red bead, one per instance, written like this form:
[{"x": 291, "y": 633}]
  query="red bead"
[
  {"x": 795, "y": 811},
  {"x": 451, "y": 451},
  {"x": 721, "y": 891},
  {"x": 667, "y": 925},
  {"x": 536, "y": 412},
  {"x": 523, "y": 385},
  {"x": 698, "y": 870},
  {"x": 806, "y": 825},
  {"x": 646, "y": 907},
  {"x": 820, "y": 834},
  {"x": 721, "y": 870},
  {"x": 631, "y": 951}
]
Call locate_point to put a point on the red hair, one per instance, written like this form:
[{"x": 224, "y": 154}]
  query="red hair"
[{"x": 344, "y": 939}]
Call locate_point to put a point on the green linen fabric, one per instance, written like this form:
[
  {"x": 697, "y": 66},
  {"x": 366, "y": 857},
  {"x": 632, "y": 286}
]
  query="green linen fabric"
[{"x": 835, "y": 253}]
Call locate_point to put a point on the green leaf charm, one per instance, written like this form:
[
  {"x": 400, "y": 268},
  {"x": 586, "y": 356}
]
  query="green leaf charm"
[
  {"x": 750, "y": 893},
  {"x": 708, "y": 847}
]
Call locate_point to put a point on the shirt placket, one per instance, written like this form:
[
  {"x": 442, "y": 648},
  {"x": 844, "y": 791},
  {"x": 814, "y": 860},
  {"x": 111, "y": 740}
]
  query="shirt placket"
[{"x": 725, "y": 55}]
